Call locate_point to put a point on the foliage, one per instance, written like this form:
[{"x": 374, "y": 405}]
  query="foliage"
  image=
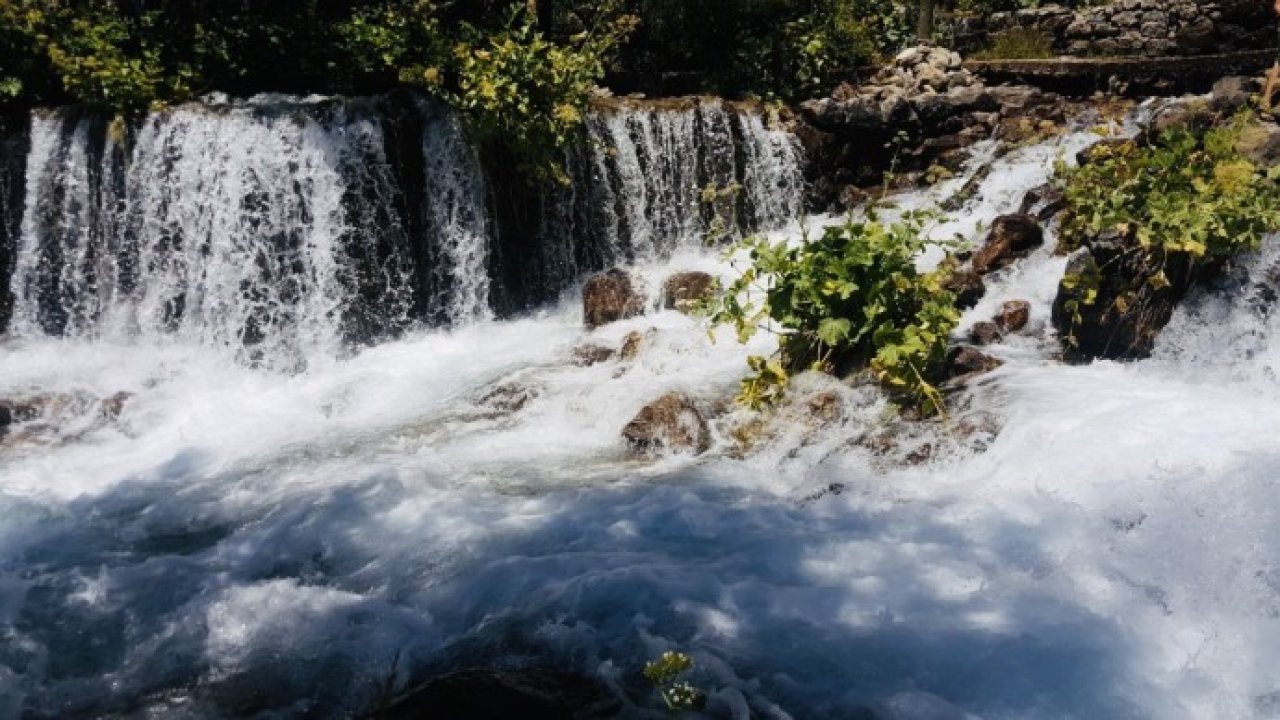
[
  {"x": 1186, "y": 193},
  {"x": 851, "y": 298},
  {"x": 1189, "y": 200},
  {"x": 1017, "y": 43},
  {"x": 665, "y": 674},
  {"x": 523, "y": 87},
  {"x": 516, "y": 81},
  {"x": 804, "y": 55}
]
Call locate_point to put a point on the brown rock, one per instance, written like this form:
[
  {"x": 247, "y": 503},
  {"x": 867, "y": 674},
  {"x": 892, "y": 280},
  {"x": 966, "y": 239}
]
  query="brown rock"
[
  {"x": 588, "y": 355},
  {"x": 967, "y": 286},
  {"x": 632, "y": 344},
  {"x": 1013, "y": 315},
  {"x": 609, "y": 297},
  {"x": 962, "y": 361},
  {"x": 681, "y": 290},
  {"x": 1011, "y": 237},
  {"x": 985, "y": 333},
  {"x": 112, "y": 407},
  {"x": 669, "y": 424},
  {"x": 508, "y": 397}
]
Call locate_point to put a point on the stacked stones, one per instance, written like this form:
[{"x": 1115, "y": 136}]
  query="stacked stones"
[
  {"x": 1142, "y": 28},
  {"x": 922, "y": 85}
]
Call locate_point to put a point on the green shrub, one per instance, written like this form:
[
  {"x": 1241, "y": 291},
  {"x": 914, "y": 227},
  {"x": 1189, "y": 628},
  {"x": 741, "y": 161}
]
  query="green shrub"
[
  {"x": 1171, "y": 213},
  {"x": 1188, "y": 192},
  {"x": 1019, "y": 44},
  {"x": 849, "y": 299}
]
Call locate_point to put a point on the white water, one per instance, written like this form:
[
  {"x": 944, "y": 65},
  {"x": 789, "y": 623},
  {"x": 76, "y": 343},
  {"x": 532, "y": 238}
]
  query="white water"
[{"x": 244, "y": 541}]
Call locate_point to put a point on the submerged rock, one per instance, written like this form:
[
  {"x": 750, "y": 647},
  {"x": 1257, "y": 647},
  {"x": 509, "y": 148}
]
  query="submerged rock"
[
  {"x": 681, "y": 290},
  {"x": 588, "y": 355},
  {"x": 1011, "y": 237},
  {"x": 609, "y": 297},
  {"x": 508, "y": 397},
  {"x": 672, "y": 423}
]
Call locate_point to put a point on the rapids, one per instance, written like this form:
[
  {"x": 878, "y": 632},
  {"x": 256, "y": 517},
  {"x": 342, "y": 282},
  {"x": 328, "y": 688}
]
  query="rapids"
[{"x": 246, "y": 540}]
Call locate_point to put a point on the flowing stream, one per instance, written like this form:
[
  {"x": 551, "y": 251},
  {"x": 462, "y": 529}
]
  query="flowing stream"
[{"x": 281, "y": 518}]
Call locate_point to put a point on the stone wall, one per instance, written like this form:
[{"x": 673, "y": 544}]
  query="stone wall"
[{"x": 1141, "y": 28}]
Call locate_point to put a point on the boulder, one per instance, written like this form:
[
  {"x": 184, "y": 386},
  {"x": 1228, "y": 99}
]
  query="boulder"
[
  {"x": 1107, "y": 305},
  {"x": 1046, "y": 201},
  {"x": 508, "y": 397},
  {"x": 608, "y": 297},
  {"x": 588, "y": 355},
  {"x": 672, "y": 423},
  {"x": 682, "y": 290},
  {"x": 985, "y": 333},
  {"x": 1011, "y": 237},
  {"x": 967, "y": 286},
  {"x": 631, "y": 345},
  {"x": 1013, "y": 316},
  {"x": 966, "y": 361}
]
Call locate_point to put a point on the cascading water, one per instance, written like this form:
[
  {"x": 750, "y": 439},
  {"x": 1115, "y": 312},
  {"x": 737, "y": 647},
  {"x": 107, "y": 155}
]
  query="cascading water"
[
  {"x": 278, "y": 229},
  {"x": 240, "y": 542}
]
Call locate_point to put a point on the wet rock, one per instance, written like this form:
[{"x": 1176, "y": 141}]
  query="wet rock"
[
  {"x": 112, "y": 407},
  {"x": 967, "y": 361},
  {"x": 1108, "y": 305},
  {"x": 985, "y": 333},
  {"x": 682, "y": 290},
  {"x": 672, "y": 423},
  {"x": 485, "y": 694},
  {"x": 1044, "y": 202},
  {"x": 1013, "y": 316},
  {"x": 632, "y": 344},
  {"x": 978, "y": 424},
  {"x": 968, "y": 287},
  {"x": 509, "y": 397},
  {"x": 1011, "y": 237},
  {"x": 608, "y": 297},
  {"x": 588, "y": 355}
]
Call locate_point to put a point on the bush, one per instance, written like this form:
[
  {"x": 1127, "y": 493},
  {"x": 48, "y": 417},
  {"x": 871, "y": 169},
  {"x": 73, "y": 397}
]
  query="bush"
[
  {"x": 1186, "y": 193},
  {"x": 1157, "y": 219},
  {"x": 847, "y": 300},
  {"x": 1019, "y": 44}
]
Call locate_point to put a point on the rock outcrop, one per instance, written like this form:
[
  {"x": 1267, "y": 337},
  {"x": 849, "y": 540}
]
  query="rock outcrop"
[
  {"x": 918, "y": 115},
  {"x": 609, "y": 297},
  {"x": 682, "y": 290},
  {"x": 1011, "y": 237},
  {"x": 670, "y": 424}
]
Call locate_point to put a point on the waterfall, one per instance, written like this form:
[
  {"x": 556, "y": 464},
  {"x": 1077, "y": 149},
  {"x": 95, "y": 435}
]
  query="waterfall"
[
  {"x": 654, "y": 177},
  {"x": 280, "y": 229}
]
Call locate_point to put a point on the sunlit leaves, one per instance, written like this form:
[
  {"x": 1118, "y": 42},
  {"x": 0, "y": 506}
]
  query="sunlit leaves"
[{"x": 849, "y": 299}]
